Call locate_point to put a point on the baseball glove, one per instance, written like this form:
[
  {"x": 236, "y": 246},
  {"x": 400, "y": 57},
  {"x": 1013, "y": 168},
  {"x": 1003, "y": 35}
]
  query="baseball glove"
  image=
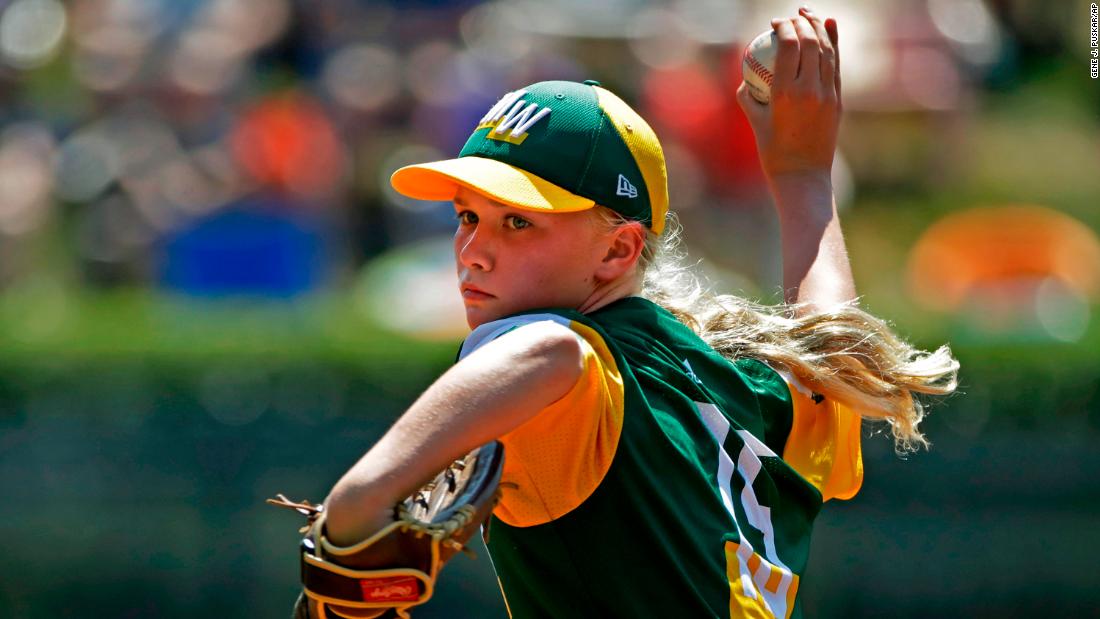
[{"x": 396, "y": 568}]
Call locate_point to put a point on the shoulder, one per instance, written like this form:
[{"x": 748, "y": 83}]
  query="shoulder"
[{"x": 545, "y": 328}]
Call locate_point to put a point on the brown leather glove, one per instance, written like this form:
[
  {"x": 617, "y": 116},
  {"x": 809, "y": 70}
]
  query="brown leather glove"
[{"x": 396, "y": 568}]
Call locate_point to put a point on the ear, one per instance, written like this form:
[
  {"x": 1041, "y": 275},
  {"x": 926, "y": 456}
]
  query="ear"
[{"x": 623, "y": 248}]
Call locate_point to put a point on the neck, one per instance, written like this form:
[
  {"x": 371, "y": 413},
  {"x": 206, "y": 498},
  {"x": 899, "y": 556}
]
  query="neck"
[{"x": 609, "y": 292}]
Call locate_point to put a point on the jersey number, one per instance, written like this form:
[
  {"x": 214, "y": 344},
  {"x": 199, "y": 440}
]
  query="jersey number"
[{"x": 760, "y": 586}]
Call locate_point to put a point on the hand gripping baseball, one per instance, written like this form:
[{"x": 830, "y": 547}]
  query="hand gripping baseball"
[{"x": 796, "y": 132}]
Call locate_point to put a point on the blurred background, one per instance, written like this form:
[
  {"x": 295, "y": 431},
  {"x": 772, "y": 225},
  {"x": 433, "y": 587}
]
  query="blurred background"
[{"x": 209, "y": 293}]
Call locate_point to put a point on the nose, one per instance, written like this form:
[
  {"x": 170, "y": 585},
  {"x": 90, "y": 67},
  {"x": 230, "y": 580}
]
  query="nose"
[{"x": 473, "y": 249}]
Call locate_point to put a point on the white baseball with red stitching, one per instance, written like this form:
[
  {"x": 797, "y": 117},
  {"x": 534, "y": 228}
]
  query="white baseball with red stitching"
[{"x": 758, "y": 65}]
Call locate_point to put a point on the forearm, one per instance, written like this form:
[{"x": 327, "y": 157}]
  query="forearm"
[
  {"x": 796, "y": 136},
  {"x": 816, "y": 271},
  {"x": 488, "y": 394}
]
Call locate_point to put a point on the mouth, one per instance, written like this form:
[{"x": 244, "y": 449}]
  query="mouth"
[{"x": 473, "y": 293}]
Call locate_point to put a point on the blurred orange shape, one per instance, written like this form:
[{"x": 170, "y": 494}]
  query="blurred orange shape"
[
  {"x": 998, "y": 248},
  {"x": 289, "y": 143}
]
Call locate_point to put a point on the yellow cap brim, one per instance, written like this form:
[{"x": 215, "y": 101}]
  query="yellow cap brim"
[{"x": 439, "y": 180}]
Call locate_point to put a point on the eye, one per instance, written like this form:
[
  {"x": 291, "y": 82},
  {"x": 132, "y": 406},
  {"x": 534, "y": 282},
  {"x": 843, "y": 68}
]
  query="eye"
[
  {"x": 466, "y": 218},
  {"x": 516, "y": 222}
]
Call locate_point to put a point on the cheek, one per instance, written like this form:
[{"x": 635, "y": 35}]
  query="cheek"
[
  {"x": 584, "y": 258},
  {"x": 456, "y": 245},
  {"x": 564, "y": 267}
]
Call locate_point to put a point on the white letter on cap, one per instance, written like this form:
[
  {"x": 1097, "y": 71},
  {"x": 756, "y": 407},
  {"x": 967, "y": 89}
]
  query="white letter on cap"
[
  {"x": 502, "y": 106},
  {"x": 522, "y": 120}
]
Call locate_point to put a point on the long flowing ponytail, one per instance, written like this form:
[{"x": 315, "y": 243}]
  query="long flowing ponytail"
[{"x": 844, "y": 352}]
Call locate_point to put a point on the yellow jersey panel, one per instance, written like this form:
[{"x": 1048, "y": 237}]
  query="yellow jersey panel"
[
  {"x": 558, "y": 458},
  {"x": 824, "y": 444}
]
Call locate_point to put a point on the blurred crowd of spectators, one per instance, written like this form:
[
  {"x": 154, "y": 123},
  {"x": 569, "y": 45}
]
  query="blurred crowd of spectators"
[{"x": 244, "y": 146}]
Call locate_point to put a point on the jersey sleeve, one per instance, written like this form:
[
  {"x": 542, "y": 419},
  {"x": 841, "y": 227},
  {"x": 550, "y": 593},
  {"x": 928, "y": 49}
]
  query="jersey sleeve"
[
  {"x": 555, "y": 460},
  {"x": 824, "y": 443}
]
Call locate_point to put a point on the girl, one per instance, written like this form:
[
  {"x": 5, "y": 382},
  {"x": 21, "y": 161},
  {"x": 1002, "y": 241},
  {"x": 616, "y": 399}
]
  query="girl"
[{"x": 666, "y": 450}]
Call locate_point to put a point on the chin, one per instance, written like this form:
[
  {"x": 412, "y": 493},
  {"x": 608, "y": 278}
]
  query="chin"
[{"x": 477, "y": 316}]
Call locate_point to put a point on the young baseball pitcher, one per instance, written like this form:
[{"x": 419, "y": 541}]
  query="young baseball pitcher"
[{"x": 665, "y": 450}]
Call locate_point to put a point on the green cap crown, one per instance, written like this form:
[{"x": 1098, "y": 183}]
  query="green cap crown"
[{"x": 583, "y": 139}]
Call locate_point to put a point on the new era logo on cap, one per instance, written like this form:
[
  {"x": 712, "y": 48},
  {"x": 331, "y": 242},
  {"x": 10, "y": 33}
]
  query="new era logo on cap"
[{"x": 625, "y": 188}]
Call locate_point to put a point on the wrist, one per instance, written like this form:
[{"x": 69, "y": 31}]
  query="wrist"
[
  {"x": 803, "y": 191},
  {"x": 352, "y": 515},
  {"x": 816, "y": 180}
]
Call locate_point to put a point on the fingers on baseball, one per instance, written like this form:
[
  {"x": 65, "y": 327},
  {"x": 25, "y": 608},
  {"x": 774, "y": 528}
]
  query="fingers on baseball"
[
  {"x": 748, "y": 103},
  {"x": 786, "y": 56},
  {"x": 827, "y": 63},
  {"x": 834, "y": 39},
  {"x": 809, "y": 73}
]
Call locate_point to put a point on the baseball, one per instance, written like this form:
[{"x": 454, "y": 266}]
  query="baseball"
[{"x": 758, "y": 65}]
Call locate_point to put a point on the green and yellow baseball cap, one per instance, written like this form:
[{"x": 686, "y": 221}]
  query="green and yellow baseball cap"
[{"x": 555, "y": 146}]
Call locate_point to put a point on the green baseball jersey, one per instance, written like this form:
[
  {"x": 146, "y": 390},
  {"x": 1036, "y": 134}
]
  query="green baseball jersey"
[{"x": 669, "y": 482}]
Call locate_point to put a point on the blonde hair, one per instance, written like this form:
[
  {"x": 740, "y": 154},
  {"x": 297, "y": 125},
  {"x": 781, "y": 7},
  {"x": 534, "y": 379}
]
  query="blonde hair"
[{"x": 843, "y": 352}]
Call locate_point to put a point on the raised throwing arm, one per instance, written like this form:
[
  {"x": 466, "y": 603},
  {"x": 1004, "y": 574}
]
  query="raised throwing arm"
[{"x": 796, "y": 137}]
